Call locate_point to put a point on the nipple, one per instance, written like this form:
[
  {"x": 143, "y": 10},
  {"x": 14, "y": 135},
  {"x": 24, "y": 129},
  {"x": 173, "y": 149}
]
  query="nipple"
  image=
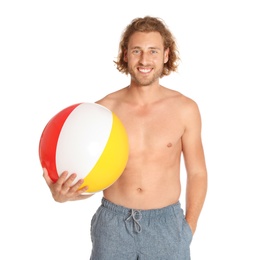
[{"x": 169, "y": 144}]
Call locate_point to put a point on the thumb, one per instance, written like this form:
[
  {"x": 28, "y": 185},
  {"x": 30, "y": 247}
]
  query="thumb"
[{"x": 46, "y": 176}]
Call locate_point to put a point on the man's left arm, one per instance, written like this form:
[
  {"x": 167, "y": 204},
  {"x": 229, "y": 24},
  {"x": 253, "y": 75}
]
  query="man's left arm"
[{"x": 194, "y": 158}]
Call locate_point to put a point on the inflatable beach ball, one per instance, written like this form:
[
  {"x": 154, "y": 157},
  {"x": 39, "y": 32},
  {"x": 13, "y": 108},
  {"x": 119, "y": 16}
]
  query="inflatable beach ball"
[{"x": 87, "y": 139}]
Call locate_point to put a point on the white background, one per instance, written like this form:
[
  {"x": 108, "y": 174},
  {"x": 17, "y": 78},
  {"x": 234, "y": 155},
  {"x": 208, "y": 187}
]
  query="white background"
[{"x": 57, "y": 53}]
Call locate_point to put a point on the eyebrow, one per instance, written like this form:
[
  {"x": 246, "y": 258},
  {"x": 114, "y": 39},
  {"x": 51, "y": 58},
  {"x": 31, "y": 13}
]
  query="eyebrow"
[{"x": 151, "y": 48}]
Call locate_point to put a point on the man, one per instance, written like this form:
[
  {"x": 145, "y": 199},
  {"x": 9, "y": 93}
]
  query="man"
[{"x": 140, "y": 216}]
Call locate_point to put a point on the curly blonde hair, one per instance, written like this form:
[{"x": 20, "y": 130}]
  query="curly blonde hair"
[{"x": 149, "y": 24}]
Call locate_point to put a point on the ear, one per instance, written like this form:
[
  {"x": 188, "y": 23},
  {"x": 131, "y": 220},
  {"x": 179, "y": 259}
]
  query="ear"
[
  {"x": 166, "y": 55},
  {"x": 125, "y": 56}
]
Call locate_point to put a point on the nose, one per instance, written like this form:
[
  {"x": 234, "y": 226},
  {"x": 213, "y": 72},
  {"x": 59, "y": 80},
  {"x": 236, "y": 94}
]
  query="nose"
[{"x": 144, "y": 58}]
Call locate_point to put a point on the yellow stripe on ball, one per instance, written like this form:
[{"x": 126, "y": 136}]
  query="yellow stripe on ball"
[{"x": 112, "y": 161}]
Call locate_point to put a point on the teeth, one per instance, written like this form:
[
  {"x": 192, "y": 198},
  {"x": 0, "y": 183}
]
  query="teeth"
[{"x": 145, "y": 70}]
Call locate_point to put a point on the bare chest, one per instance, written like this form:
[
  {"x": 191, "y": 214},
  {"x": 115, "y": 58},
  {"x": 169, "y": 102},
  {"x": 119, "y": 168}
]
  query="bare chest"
[{"x": 153, "y": 129}]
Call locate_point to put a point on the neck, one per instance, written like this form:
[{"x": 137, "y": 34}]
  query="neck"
[{"x": 144, "y": 95}]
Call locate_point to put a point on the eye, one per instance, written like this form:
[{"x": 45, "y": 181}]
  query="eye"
[
  {"x": 136, "y": 51},
  {"x": 154, "y": 51}
]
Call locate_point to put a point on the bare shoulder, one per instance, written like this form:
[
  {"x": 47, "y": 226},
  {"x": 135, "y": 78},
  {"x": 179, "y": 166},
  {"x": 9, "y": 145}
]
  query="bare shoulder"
[
  {"x": 111, "y": 100},
  {"x": 183, "y": 102},
  {"x": 184, "y": 107}
]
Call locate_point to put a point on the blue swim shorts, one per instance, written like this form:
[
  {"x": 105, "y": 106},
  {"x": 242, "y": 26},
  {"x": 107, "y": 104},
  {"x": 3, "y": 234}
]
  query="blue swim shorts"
[{"x": 120, "y": 233}]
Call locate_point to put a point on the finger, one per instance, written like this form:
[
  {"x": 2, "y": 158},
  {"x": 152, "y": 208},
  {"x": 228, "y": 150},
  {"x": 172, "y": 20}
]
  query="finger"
[
  {"x": 83, "y": 190},
  {"x": 68, "y": 183},
  {"x": 76, "y": 186},
  {"x": 46, "y": 177},
  {"x": 82, "y": 194}
]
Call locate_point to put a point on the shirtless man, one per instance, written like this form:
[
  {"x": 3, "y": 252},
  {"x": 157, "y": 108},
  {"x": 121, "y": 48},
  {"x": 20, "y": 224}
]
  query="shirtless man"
[{"x": 140, "y": 216}]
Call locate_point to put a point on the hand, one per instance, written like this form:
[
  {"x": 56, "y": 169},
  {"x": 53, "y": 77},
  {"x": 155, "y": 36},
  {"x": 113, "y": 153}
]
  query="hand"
[
  {"x": 63, "y": 189},
  {"x": 192, "y": 226}
]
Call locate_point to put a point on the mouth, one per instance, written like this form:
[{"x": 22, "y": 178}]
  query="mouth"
[{"x": 144, "y": 70}]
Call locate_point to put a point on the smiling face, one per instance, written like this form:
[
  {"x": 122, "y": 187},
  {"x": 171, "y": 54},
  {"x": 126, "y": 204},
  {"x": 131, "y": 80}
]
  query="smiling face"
[{"x": 145, "y": 57}]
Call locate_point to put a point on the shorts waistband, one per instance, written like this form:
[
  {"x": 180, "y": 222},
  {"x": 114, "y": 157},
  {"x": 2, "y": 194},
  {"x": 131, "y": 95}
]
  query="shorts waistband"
[{"x": 148, "y": 212}]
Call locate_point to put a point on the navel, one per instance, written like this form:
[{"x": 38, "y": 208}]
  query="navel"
[
  {"x": 139, "y": 190},
  {"x": 169, "y": 144}
]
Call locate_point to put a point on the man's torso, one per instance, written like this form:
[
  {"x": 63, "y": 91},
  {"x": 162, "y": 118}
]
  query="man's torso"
[{"x": 151, "y": 178}]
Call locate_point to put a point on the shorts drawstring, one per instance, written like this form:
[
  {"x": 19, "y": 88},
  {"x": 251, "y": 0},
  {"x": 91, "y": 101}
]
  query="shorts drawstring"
[{"x": 136, "y": 216}]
